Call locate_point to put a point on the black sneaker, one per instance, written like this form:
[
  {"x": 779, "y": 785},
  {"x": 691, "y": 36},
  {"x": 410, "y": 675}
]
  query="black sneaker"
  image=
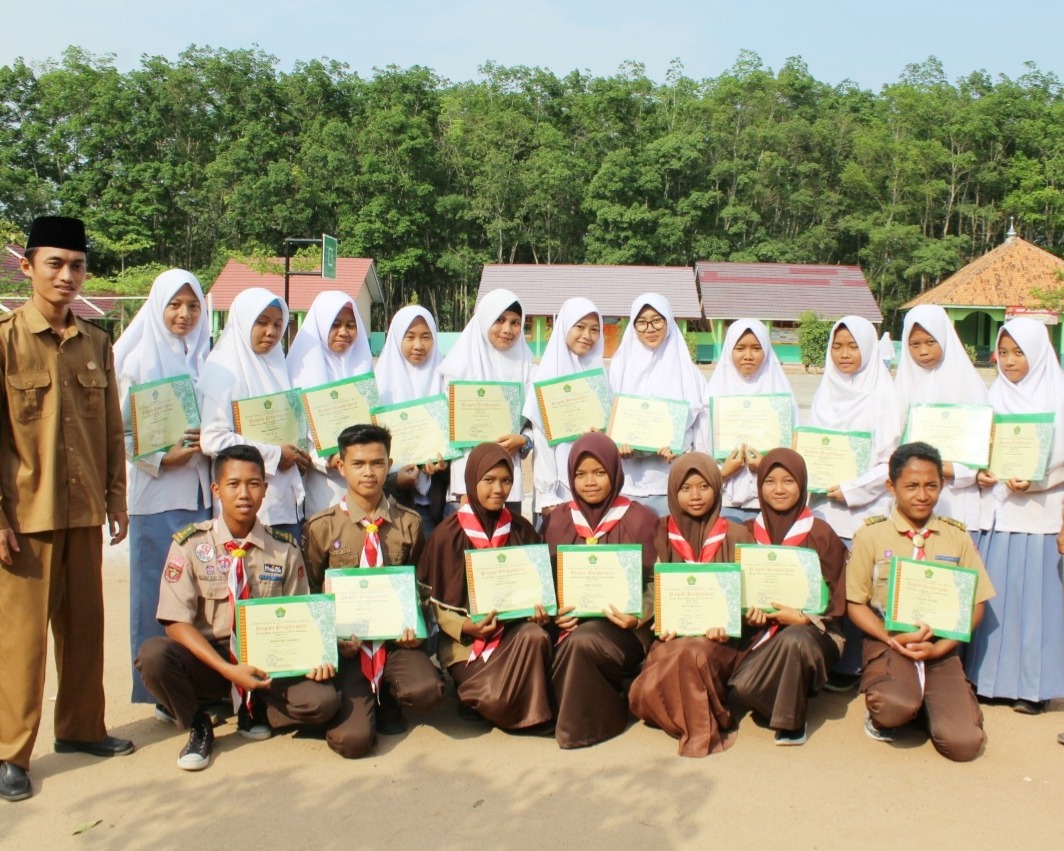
[
  {"x": 196, "y": 754},
  {"x": 791, "y": 738},
  {"x": 841, "y": 682},
  {"x": 251, "y": 725},
  {"x": 1029, "y": 707}
]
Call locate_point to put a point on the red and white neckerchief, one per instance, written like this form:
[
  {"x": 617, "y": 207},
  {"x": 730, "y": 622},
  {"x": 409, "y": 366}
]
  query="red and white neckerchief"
[
  {"x": 610, "y": 519},
  {"x": 919, "y": 540},
  {"x": 374, "y": 653},
  {"x": 238, "y": 590},
  {"x": 470, "y": 524},
  {"x": 710, "y": 545},
  {"x": 798, "y": 532}
]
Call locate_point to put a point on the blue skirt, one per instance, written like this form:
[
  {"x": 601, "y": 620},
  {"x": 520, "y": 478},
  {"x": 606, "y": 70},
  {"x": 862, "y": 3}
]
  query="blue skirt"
[
  {"x": 1017, "y": 652},
  {"x": 150, "y": 536}
]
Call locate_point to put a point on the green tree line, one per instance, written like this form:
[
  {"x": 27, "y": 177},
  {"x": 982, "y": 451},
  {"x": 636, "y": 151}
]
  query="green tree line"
[{"x": 220, "y": 152}]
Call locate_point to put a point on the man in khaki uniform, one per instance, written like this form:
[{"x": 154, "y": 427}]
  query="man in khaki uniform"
[
  {"x": 906, "y": 671},
  {"x": 194, "y": 663},
  {"x": 337, "y": 537},
  {"x": 62, "y": 475}
]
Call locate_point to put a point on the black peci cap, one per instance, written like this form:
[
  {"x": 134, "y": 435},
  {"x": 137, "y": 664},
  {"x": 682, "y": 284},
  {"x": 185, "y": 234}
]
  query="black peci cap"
[{"x": 57, "y": 232}]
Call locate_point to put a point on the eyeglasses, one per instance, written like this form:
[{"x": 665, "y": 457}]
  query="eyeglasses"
[{"x": 650, "y": 324}]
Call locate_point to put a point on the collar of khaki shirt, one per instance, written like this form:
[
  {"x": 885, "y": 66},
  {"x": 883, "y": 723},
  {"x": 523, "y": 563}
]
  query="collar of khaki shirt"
[
  {"x": 904, "y": 526},
  {"x": 357, "y": 515},
  {"x": 256, "y": 537},
  {"x": 36, "y": 322}
]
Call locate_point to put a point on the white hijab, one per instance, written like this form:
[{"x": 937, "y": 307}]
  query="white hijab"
[
  {"x": 667, "y": 371},
  {"x": 310, "y": 361},
  {"x": 474, "y": 358},
  {"x": 558, "y": 359},
  {"x": 398, "y": 380},
  {"x": 233, "y": 368},
  {"x": 1041, "y": 390},
  {"x": 147, "y": 351},
  {"x": 863, "y": 401},
  {"x": 726, "y": 379},
  {"x": 954, "y": 380}
]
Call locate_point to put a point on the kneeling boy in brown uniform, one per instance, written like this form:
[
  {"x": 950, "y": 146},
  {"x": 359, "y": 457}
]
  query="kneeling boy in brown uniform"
[
  {"x": 369, "y": 529},
  {"x": 906, "y": 671},
  {"x": 208, "y": 565}
]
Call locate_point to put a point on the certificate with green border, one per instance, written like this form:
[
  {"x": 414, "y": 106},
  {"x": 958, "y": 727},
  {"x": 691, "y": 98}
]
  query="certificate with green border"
[
  {"x": 275, "y": 419},
  {"x": 333, "y": 407},
  {"x": 832, "y": 457},
  {"x": 592, "y": 578},
  {"x": 789, "y": 576},
  {"x": 961, "y": 433},
  {"x": 1020, "y": 445},
  {"x": 419, "y": 428},
  {"x": 375, "y": 603},
  {"x": 762, "y": 421},
  {"x": 692, "y": 598},
  {"x": 573, "y": 404},
  {"x": 483, "y": 411},
  {"x": 287, "y": 636},
  {"x": 941, "y": 596},
  {"x": 648, "y": 423},
  {"x": 510, "y": 581},
  {"x": 160, "y": 412}
]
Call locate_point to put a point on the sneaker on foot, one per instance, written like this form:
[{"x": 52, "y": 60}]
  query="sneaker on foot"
[
  {"x": 880, "y": 734},
  {"x": 841, "y": 682},
  {"x": 250, "y": 726},
  {"x": 1029, "y": 707},
  {"x": 196, "y": 754},
  {"x": 791, "y": 738},
  {"x": 162, "y": 714}
]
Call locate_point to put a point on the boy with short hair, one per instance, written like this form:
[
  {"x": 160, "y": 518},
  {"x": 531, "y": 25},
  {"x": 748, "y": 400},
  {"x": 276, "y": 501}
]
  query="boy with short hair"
[
  {"x": 370, "y": 529},
  {"x": 906, "y": 671},
  {"x": 209, "y": 566}
]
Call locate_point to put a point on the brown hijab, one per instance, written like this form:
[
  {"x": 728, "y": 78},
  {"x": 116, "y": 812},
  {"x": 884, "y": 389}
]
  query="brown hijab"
[
  {"x": 483, "y": 459},
  {"x": 604, "y": 450},
  {"x": 778, "y": 524}
]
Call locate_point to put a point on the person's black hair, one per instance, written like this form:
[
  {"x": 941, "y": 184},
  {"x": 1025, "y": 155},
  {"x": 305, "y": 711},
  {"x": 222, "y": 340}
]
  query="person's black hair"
[
  {"x": 29, "y": 254},
  {"x": 514, "y": 308},
  {"x": 238, "y": 452},
  {"x": 362, "y": 434},
  {"x": 907, "y": 452}
]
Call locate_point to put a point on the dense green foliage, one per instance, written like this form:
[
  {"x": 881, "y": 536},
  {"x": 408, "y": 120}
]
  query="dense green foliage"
[
  {"x": 220, "y": 152},
  {"x": 813, "y": 338}
]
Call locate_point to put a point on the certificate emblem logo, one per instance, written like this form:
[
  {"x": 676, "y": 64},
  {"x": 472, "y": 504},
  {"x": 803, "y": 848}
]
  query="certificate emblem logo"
[
  {"x": 501, "y": 558},
  {"x": 772, "y": 556},
  {"x": 404, "y": 416},
  {"x": 645, "y": 406},
  {"x": 1015, "y": 429},
  {"x": 267, "y": 404},
  {"x": 929, "y": 573},
  {"x": 279, "y": 612},
  {"x": 824, "y": 441},
  {"x": 155, "y": 395},
  {"x": 567, "y": 388},
  {"x": 334, "y": 394},
  {"x": 592, "y": 560},
  {"x": 691, "y": 580},
  {"x": 746, "y": 403},
  {"x": 480, "y": 392},
  {"x": 363, "y": 583}
]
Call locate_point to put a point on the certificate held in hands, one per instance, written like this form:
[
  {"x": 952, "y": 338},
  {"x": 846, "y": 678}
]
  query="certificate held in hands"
[
  {"x": 511, "y": 581},
  {"x": 419, "y": 430},
  {"x": 762, "y": 422},
  {"x": 160, "y": 412},
  {"x": 375, "y": 603},
  {"x": 573, "y": 404},
  {"x": 648, "y": 423},
  {"x": 690, "y": 599},
  {"x": 287, "y": 636},
  {"x": 832, "y": 457},
  {"x": 333, "y": 407},
  {"x": 789, "y": 576},
  {"x": 961, "y": 433},
  {"x": 483, "y": 411},
  {"x": 593, "y": 578},
  {"x": 275, "y": 419},
  {"x": 1020, "y": 445},
  {"x": 926, "y": 592}
]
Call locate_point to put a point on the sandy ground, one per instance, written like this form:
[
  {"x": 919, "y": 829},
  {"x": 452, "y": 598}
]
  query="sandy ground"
[{"x": 448, "y": 783}]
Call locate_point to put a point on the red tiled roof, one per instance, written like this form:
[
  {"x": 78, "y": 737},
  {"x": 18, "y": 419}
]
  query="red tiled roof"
[
  {"x": 352, "y": 274},
  {"x": 83, "y": 306},
  {"x": 543, "y": 288},
  {"x": 781, "y": 291},
  {"x": 10, "y": 272}
]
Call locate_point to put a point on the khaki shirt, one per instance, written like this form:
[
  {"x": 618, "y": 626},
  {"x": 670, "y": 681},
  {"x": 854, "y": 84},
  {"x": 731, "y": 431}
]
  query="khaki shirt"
[
  {"x": 882, "y": 538},
  {"x": 63, "y": 460},
  {"x": 332, "y": 538},
  {"x": 194, "y": 588}
]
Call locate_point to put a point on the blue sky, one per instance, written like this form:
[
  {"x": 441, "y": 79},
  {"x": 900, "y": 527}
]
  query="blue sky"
[{"x": 870, "y": 43}]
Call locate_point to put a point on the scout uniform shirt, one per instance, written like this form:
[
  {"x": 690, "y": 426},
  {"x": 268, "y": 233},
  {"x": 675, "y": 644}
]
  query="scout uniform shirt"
[
  {"x": 333, "y": 537},
  {"x": 63, "y": 464},
  {"x": 195, "y": 583},
  {"x": 882, "y": 538}
]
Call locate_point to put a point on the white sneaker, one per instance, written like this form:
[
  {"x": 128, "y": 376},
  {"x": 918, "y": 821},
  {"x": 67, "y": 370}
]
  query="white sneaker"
[
  {"x": 196, "y": 754},
  {"x": 249, "y": 728}
]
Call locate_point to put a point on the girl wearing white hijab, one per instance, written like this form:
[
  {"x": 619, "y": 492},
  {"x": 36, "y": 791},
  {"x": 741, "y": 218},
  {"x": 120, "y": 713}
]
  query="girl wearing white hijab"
[
  {"x": 934, "y": 368},
  {"x": 653, "y": 360},
  {"x": 492, "y": 347},
  {"x": 748, "y": 366},
  {"x": 1016, "y": 651},
  {"x": 168, "y": 338},
  {"x": 331, "y": 345},
  {"x": 575, "y": 345},
  {"x": 408, "y": 369},
  {"x": 246, "y": 362}
]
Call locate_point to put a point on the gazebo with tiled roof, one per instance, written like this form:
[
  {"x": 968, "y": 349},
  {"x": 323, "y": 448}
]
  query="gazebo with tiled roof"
[{"x": 981, "y": 296}]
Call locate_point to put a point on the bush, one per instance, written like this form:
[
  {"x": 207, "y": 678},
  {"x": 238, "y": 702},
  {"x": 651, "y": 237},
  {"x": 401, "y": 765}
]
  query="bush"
[{"x": 813, "y": 333}]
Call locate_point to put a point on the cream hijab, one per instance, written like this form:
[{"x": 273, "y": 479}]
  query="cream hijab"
[
  {"x": 233, "y": 369},
  {"x": 398, "y": 380},
  {"x": 310, "y": 361},
  {"x": 954, "y": 380},
  {"x": 474, "y": 358}
]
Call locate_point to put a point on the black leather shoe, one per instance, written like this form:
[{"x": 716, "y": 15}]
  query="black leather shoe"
[
  {"x": 107, "y": 746},
  {"x": 14, "y": 782}
]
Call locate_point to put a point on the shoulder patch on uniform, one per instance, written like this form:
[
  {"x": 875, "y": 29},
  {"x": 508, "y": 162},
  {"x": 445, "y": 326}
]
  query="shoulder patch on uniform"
[
  {"x": 952, "y": 522},
  {"x": 282, "y": 535},
  {"x": 872, "y": 521},
  {"x": 182, "y": 535}
]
